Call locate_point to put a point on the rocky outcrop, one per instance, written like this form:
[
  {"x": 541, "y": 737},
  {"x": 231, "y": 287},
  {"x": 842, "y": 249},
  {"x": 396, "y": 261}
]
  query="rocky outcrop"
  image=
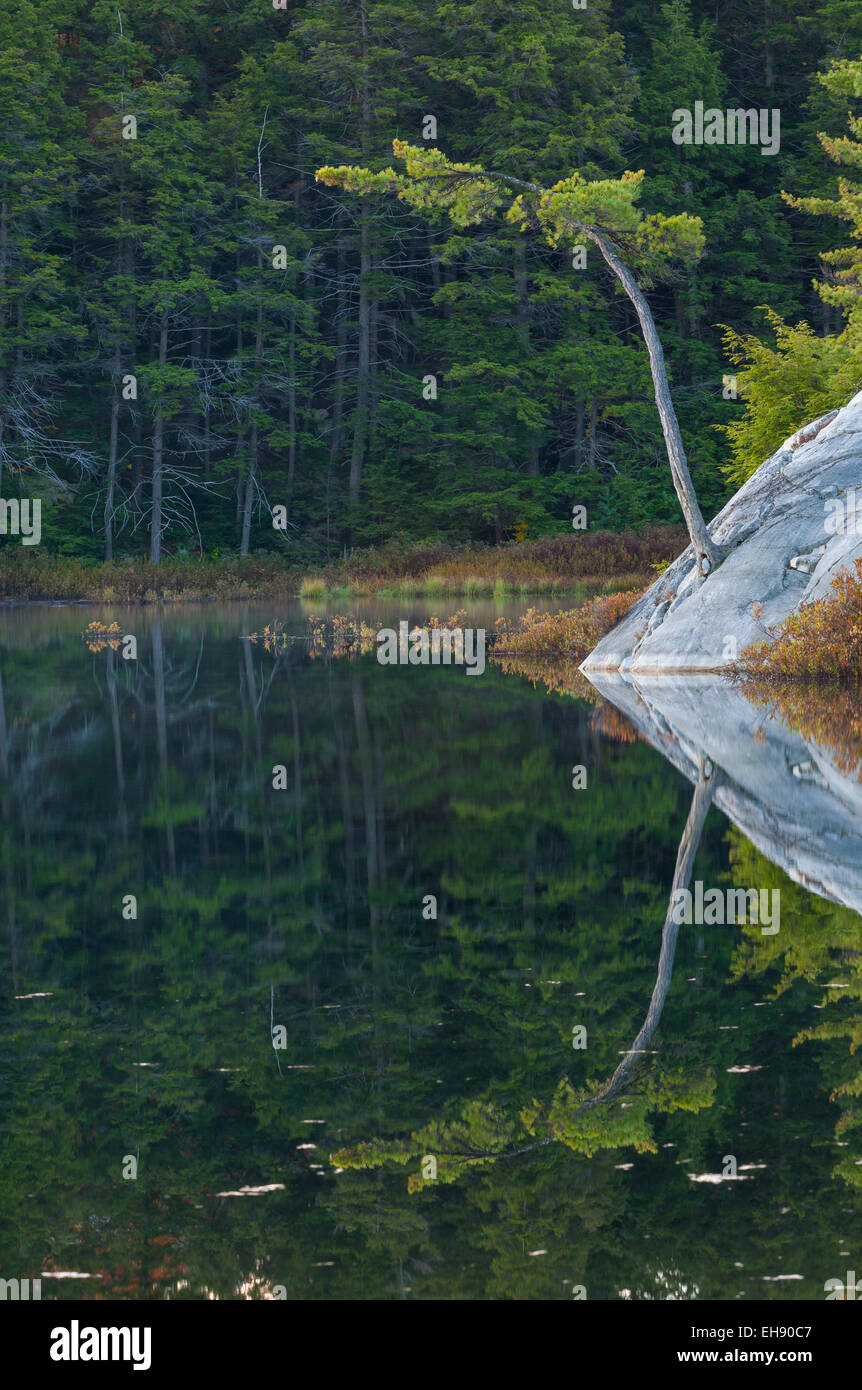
[
  {"x": 785, "y": 793},
  {"x": 782, "y": 547}
]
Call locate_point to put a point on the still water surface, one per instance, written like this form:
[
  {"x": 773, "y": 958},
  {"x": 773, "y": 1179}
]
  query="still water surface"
[{"x": 147, "y": 1041}]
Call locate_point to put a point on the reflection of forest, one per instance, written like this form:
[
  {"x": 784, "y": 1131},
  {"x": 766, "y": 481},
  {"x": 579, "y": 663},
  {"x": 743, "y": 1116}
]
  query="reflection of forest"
[{"x": 406, "y": 1036}]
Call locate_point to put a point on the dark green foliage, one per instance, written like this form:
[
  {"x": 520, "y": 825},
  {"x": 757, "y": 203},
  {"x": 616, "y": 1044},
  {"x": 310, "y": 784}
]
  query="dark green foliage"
[
  {"x": 406, "y": 1036},
  {"x": 300, "y": 384}
]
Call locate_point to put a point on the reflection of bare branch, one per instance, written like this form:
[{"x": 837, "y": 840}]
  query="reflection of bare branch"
[
  {"x": 704, "y": 792},
  {"x": 4, "y": 757},
  {"x": 688, "y": 847},
  {"x": 185, "y": 697},
  {"x": 276, "y": 667}
]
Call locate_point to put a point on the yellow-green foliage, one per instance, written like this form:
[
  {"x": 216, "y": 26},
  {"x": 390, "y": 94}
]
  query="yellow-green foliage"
[
  {"x": 433, "y": 181},
  {"x": 804, "y": 376},
  {"x": 785, "y": 386},
  {"x": 609, "y": 205},
  {"x": 473, "y": 586},
  {"x": 586, "y": 1127},
  {"x": 608, "y": 1126}
]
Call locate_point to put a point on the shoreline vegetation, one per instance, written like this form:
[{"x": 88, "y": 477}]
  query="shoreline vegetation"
[
  {"x": 822, "y": 643},
  {"x": 806, "y": 671},
  {"x": 534, "y": 638},
  {"x": 543, "y": 647},
  {"x": 576, "y": 565},
  {"x": 821, "y": 639}
]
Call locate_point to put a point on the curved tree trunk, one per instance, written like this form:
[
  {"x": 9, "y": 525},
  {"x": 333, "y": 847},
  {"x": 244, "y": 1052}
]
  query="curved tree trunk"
[
  {"x": 707, "y": 553},
  {"x": 707, "y": 782}
]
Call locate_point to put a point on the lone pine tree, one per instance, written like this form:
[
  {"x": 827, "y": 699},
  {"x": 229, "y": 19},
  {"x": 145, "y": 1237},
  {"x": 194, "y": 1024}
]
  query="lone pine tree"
[{"x": 603, "y": 212}]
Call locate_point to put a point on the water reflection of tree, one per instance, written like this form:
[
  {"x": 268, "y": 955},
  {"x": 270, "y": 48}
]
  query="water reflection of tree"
[
  {"x": 821, "y": 953},
  {"x": 313, "y": 893},
  {"x": 585, "y": 1118},
  {"x": 829, "y": 717}
]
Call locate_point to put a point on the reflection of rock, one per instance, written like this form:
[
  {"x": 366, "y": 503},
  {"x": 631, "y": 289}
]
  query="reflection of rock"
[
  {"x": 781, "y": 555},
  {"x": 807, "y": 824}
]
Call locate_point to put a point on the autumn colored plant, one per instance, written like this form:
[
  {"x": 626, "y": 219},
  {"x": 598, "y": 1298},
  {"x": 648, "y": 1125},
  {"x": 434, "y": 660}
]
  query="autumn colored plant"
[
  {"x": 823, "y": 638},
  {"x": 612, "y": 724},
  {"x": 38, "y": 575},
  {"x": 99, "y": 635},
  {"x": 547, "y": 648},
  {"x": 627, "y": 559},
  {"x": 828, "y": 715},
  {"x": 568, "y": 636}
]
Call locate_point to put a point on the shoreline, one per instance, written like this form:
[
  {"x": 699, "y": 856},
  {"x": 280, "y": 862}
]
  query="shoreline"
[
  {"x": 564, "y": 565},
  {"x": 581, "y": 592}
]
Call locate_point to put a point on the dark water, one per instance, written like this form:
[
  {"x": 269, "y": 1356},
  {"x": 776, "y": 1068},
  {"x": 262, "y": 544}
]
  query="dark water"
[{"x": 406, "y": 1037}]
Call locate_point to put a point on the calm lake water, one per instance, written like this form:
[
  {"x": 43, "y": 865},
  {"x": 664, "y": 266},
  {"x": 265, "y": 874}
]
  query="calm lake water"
[{"x": 283, "y": 1036}]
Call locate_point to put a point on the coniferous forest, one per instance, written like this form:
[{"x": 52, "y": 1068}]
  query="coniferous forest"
[
  {"x": 358, "y": 941},
  {"x": 195, "y": 332}
]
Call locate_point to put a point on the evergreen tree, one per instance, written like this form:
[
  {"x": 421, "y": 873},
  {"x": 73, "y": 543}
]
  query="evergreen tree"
[{"x": 38, "y": 322}]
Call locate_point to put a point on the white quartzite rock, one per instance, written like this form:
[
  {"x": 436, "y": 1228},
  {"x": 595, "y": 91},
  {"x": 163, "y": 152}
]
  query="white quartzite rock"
[
  {"x": 789, "y": 795},
  {"x": 777, "y": 516}
]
